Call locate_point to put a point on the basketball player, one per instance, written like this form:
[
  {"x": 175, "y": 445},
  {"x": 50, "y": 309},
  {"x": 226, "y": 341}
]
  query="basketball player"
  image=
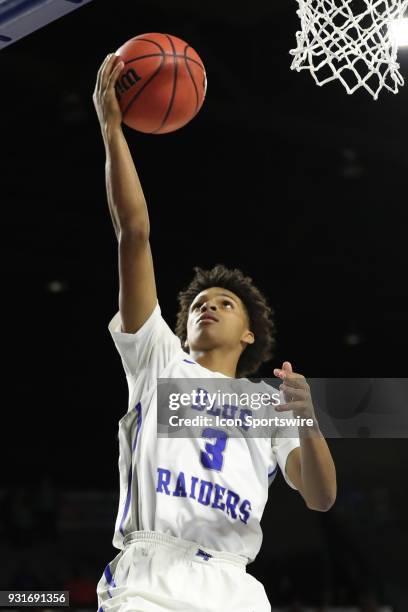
[{"x": 189, "y": 511}]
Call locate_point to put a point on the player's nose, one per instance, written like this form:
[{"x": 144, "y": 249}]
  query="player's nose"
[{"x": 208, "y": 306}]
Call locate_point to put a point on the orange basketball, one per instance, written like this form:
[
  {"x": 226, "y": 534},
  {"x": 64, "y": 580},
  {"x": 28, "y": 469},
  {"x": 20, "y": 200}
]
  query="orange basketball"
[{"x": 162, "y": 85}]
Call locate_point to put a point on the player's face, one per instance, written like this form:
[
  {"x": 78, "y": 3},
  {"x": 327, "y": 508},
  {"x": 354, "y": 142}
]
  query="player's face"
[{"x": 217, "y": 318}]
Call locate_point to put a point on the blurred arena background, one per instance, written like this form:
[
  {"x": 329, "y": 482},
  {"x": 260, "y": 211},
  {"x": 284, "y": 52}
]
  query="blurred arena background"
[{"x": 304, "y": 188}]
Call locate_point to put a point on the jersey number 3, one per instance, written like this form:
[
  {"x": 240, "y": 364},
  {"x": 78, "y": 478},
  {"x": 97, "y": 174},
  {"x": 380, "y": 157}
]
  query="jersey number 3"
[{"x": 212, "y": 458}]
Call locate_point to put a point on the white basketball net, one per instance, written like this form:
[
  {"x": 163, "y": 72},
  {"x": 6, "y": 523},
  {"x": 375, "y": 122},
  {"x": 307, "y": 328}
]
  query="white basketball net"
[{"x": 350, "y": 40}]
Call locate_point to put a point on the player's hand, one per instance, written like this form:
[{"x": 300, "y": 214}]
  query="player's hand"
[
  {"x": 296, "y": 392},
  {"x": 104, "y": 96}
]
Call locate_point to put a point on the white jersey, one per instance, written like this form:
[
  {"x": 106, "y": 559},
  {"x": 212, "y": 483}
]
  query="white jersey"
[{"x": 164, "y": 484}]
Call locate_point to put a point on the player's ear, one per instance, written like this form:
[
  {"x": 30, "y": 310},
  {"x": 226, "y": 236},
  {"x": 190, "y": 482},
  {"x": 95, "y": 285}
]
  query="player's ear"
[
  {"x": 186, "y": 343},
  {"x": 248, "y": 337}
]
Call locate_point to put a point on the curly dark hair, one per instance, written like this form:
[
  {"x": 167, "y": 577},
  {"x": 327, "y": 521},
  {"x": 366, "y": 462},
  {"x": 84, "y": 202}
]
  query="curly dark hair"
[{"x": 259, "y": 313}]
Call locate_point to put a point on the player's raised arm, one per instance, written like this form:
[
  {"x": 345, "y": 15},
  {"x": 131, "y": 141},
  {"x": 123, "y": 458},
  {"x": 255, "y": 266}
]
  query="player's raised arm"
[{"x": 127, "y": 205}]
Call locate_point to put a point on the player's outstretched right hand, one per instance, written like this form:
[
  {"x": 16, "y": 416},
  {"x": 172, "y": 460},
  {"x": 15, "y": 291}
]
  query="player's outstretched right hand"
[{"x": 104, "y": 95}]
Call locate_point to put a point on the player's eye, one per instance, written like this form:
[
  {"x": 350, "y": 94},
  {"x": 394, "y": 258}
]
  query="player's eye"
[{"x": 198, "y": 305}]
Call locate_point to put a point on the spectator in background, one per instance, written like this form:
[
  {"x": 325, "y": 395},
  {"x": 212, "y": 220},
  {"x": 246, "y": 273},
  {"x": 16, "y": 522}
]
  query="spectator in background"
[
  {"x": 24, "y": 577},
  {"x": 81, "y": 587},
  {"x": 53, "y": 577},
  {"x": 347, "y": 567},
  {"x": 18, "y": 517},
  {"x": 46, "y": 508},
  {"x": 369, "y": 602}
]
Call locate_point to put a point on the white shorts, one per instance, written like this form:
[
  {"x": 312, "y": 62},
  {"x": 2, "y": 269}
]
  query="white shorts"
[{"x": 157, "y": 572}]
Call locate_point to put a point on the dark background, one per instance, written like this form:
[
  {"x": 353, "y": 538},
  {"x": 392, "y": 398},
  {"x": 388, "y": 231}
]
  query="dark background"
[{"x": 304, "y": 190}]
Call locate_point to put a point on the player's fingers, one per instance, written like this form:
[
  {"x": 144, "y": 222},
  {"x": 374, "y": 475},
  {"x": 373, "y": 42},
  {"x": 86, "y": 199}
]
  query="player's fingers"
[
  {"x": 115, "y": 74},
  {"x": 99, "y": 77},
  {"x": 292, "y": 393},
  {"x": 97, "y": 90},
  {"x": 297, "y": 382},
  {"x": 107, "y": 70},
  {"x": 284, "y": 371}
]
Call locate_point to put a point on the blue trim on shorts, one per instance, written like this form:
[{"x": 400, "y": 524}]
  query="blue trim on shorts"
[
  {"x": 201, "y": 553},
  {"x": 109, "y": 578}
]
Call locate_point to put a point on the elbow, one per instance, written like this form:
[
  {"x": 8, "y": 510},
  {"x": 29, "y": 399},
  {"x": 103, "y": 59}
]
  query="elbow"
[
  {"x": 322, "y": 505},
  {"x": 134, "y": 232}
]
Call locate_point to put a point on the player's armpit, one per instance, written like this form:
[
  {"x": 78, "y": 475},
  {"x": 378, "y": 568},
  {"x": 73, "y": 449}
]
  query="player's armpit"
[
  {"x": 137, "y": 286},
  {"x": 293, "y": 470}
]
